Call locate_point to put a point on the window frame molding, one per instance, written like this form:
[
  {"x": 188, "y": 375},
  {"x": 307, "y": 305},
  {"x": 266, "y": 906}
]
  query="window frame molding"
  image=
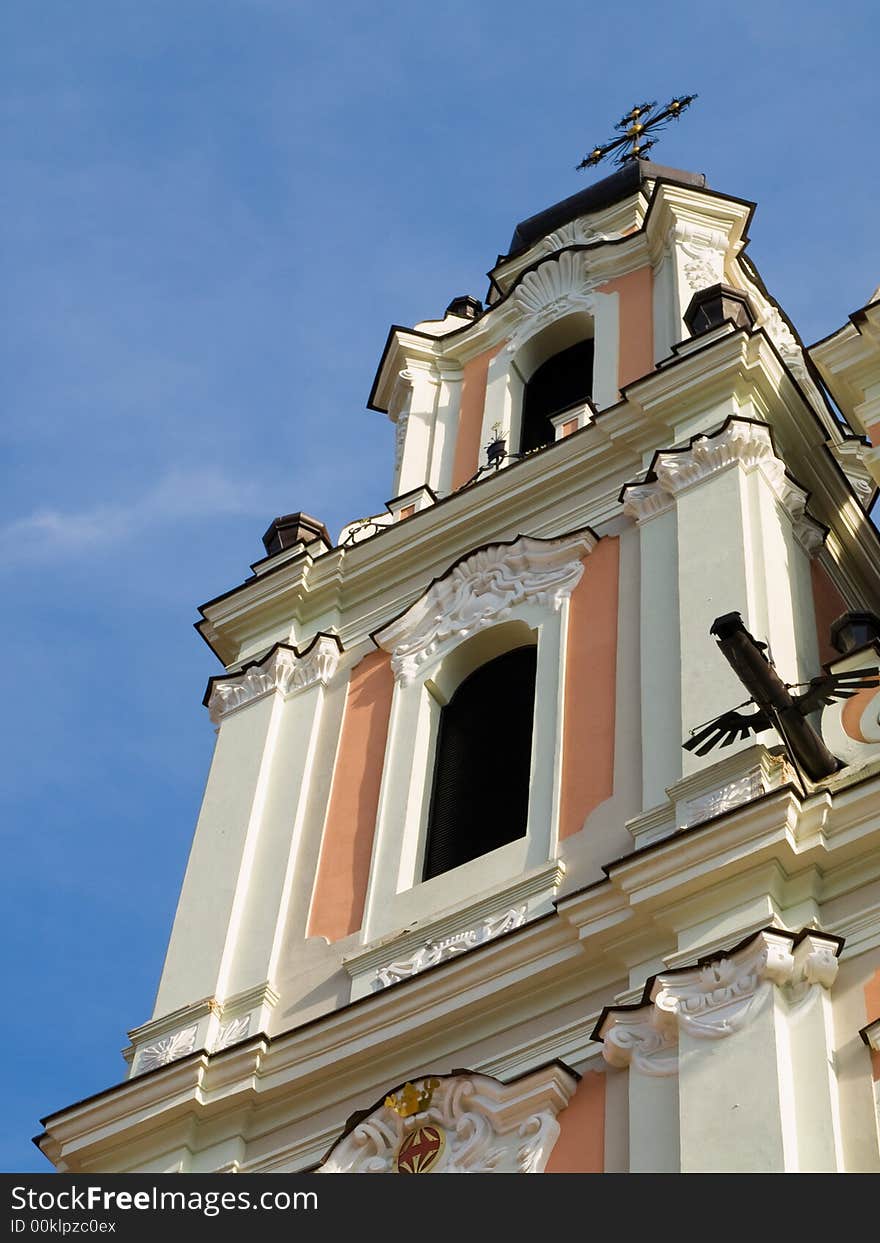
[
  {"x": 529, "y": 347},
  {"x": 396, "y": 894}
]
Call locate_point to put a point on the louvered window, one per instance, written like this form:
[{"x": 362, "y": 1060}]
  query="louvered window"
[
  {"x": 562, "y": 381},
  {"x": 480, "y": 795}
]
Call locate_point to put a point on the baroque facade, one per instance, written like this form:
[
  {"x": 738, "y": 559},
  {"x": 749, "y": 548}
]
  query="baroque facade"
[{"x": 458, "y": 899}]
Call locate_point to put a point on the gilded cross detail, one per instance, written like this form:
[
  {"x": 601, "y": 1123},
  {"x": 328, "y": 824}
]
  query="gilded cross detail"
[{"x": 640, "y": 122}]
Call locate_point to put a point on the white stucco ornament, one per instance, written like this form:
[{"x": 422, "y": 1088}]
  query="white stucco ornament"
[
  {"x": 703, "y": 252},
  {"x": 727, "y": 797},
  {"x": 168, "y": 1049},
  {"x": 433, "y": 952},
  {"x": 644, "y": 1039},
  {"x": 784, "y": 340},
  {"x": 473, "y": 1124},
  {"x": 743, "y": 442},
  {"x": 284, "y": 669},
  {"x": 716, "y": 998},
  {"x": 481, "y": 590},
  {"x": 575, "y": 233},
  {"x": 556, "y": 287}
]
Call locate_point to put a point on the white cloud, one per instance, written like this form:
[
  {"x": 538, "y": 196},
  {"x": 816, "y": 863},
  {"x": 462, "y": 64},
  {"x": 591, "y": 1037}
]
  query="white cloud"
[{"x": 179, "y": 495}]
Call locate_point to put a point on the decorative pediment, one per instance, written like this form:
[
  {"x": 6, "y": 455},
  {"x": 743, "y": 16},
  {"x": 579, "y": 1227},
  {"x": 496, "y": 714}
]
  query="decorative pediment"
[
  {"x": 556, "y": 287},
  {"x": 284, "y": 669},
  {"x": 482, "y": 589},
  {"x": 458, "y": 1124}
]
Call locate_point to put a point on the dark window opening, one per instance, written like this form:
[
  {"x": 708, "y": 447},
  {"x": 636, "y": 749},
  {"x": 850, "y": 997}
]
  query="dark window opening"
[
  {"x": 564, "y": 380},
  {"x": 480, "y": 797}
]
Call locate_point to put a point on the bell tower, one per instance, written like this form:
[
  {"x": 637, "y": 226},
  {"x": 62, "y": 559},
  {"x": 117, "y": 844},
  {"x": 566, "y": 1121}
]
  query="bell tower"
[{"x": 450, "y": 822}]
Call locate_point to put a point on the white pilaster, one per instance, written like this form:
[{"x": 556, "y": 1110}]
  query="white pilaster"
[
  {"x": 743, "y": 543},
  {"x": 445, "y": 429},
  {"x": 755, "y": 1070},
  {"x": 644, "y": 1041},
  {"x": 606, "y": 349},
  {"x": 503, "y": 407},
  {"x": 419, "y": 413},
  {"x": 241, "y": 866},
  {"x": 659, "y": 640}
]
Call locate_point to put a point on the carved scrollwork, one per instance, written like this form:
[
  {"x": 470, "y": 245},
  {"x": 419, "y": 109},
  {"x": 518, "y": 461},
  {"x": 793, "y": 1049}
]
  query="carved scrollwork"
[
  {"x": 641, "y": 1038},
  {"x": 487, "y": 1126},
  {"x": 284, "y": 669},
  {"x": 481, "y": 590},
  {"x": 784, "y": 340},
  {"x": 575, "y": 233},
  {"x": 558, "y": 286},
  {"x": 716, "y": 998},
  {"x": 704, "y": 252},
  {"x": 169, "y": 1049},
  {"x": 737, "y": 441},
  {"x": 433, "y": 952}
]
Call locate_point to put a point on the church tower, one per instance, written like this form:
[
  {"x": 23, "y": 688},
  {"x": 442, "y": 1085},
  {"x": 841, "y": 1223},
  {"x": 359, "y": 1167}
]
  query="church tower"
[{"x": 458, "y": 898}]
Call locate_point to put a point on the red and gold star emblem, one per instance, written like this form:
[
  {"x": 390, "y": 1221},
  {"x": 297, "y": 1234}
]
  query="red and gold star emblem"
[{"x": 420, "y": 1151}]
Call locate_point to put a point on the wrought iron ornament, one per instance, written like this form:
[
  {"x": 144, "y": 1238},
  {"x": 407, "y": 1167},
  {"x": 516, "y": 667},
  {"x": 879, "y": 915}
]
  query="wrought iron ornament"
[
  {"x": 638, "y": 122},
  {"x": 775, "y": 705}
]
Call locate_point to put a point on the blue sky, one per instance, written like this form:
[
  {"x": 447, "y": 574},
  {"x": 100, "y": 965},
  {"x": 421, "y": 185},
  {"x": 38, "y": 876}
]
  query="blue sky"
[{"x": 212, "y": 212}]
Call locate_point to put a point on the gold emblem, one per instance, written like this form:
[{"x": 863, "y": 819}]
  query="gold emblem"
[
  {"x": 420, "y": 1151},
  {"x": 412, "y": 1100}
]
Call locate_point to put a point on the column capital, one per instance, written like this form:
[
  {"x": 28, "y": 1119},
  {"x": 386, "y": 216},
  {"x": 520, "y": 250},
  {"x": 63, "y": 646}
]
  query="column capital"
[
  {"x": 714, "y": 998},
  {"x": 284, "y": 668},
  {"x": 641, "y": 1036},
  {"x": 743, "y": 442}
]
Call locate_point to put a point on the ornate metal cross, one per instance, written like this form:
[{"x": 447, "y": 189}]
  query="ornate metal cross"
[{"x": 635, "y": 125}]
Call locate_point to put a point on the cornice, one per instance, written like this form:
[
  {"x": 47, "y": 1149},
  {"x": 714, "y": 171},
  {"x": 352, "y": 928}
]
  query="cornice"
[
  {"x": 672, "y": 201},
  {"x": 833, "y": 832},
  {"x": 578, "y": 476},
  {"x": 761, "y": 379},
  {"x": 598, "y": 935},
  {"x": 614, "y": 224},
  {"x": 849, "y": 359},
  {"x": 209, "y": 1025},
  {"x": 381, "y": 1026}
]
